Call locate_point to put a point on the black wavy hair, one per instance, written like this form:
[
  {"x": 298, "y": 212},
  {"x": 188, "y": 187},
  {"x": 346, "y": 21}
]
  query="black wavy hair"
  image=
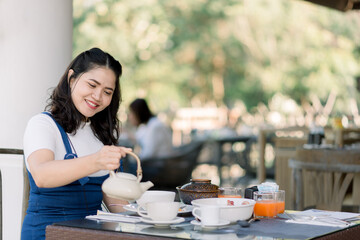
[
  {"x": 105, "y": 124},
  {"x": 141, "y": 110}
]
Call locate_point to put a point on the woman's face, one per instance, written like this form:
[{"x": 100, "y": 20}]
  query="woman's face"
[{"x": 93, "y": 90}]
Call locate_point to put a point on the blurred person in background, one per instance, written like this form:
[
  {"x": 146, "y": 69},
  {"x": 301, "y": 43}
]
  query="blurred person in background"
[{"x": 152, "y": 136}]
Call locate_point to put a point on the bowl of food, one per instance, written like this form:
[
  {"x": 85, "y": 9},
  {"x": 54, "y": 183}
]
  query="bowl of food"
[
  {"x": 197, "y": 189},
  {"x": 231, "y": 209},
  {"x": 186, "y": 196}
]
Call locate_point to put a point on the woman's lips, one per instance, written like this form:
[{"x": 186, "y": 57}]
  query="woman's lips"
[{"x": 91, "y": 104}]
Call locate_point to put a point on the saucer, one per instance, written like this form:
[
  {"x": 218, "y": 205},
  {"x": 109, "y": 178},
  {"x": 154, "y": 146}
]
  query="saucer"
[
  {"x": 131, "y": 207},
  {"x": 183, "y": 209},
  {"x": 212, "y": 226},
  {"x": 162, "y": 223}
]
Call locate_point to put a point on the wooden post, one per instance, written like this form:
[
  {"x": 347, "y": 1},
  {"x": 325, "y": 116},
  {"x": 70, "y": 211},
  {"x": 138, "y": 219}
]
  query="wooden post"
[
  {"x": 261, "y": 171},
  {"x": 356, "y": 190},
  {"x": 339, "y": 137}
]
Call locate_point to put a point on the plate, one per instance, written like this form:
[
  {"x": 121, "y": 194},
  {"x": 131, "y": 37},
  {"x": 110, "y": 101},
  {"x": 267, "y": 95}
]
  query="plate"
[
  {"x": 131, "y": 207},
  {"x": 212, "y": 226},
  {"x": 162, "y": 223},
  {"x": 183, "y": 208}
]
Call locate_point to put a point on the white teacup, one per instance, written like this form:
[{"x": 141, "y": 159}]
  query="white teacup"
[
  {"x": 155, "y": 196},
  {"x": 160, "y": 211},
  {"x": 208, "y": 214}
]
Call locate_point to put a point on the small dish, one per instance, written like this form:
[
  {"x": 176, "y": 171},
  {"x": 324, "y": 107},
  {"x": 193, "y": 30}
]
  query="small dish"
[
  {"x": 185, "y": 208},
  {"x": 162, "y": 223},
  {"x": 212, "y": 226}
]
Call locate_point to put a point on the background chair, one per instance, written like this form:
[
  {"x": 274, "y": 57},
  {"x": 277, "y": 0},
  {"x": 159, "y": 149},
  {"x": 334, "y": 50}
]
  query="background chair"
[
  {"x": 285, "y": 149},
  {"x": 26, "y": 193},
  {"x": 11, "y": 198},
  {"x": 330, "y": 183},
  {"x": 284, "y": 141},
  {"x": 174, "y": 170}
]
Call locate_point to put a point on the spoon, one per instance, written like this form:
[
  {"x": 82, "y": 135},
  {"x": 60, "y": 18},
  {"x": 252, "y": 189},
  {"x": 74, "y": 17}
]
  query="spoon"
[
  {"x": 244, "y": 223},
  {"x": 321, "y": 218}
]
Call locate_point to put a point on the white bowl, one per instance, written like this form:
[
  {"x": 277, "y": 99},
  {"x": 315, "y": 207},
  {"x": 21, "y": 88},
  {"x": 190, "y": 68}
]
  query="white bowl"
[{"x": 241, "y": 210}]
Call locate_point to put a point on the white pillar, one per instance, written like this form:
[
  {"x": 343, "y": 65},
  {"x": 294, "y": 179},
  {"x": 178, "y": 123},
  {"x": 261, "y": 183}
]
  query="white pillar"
[{"x": 35, "y": 48}]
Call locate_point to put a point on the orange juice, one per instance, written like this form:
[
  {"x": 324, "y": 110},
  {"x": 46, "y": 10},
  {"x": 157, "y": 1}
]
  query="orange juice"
[
  {"x": 265, "y": 208},
  {"x": 268, "y": 208},
  {"x": 269, "y": 204},
  {"x": 280, "y": 206}
]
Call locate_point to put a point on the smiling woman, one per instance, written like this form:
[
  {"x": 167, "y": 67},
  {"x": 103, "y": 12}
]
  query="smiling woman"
[{"x": 70, "y": 149}]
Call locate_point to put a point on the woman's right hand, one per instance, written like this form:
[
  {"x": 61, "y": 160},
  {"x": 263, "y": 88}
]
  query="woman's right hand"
[{"x": 109, "y": 157}]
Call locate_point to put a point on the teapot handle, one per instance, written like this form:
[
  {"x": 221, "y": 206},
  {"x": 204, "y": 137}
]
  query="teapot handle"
[
  {"x": 112, "y": 173},
  {"x": 139, "y": 170}
]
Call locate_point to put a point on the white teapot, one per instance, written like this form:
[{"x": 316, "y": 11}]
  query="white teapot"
[{"x": 125, "y": 185}]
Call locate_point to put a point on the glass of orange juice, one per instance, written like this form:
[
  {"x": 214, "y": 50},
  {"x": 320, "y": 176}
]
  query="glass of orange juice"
[
  {"x": 229, "y": 192},
  {"x": 265, "y": 206},
  {"x": 269, "y": 204}
]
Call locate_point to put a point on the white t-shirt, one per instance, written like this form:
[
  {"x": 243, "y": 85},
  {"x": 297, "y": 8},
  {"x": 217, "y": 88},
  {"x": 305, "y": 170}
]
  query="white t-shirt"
[
  {"x": 154, "y": 139},
  {"x": 42, "y": 133}
]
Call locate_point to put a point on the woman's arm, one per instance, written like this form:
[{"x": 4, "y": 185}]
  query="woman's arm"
[{"x": 49, "y": 173}]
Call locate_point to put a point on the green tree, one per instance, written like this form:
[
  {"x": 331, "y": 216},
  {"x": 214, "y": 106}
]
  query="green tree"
[{"x": 179, "y": 52}]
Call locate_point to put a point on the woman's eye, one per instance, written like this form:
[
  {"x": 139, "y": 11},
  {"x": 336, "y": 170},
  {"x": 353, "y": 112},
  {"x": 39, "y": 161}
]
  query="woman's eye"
[
  {"x": 92, "y": 85},
  {"x": 108, "y": 93}
]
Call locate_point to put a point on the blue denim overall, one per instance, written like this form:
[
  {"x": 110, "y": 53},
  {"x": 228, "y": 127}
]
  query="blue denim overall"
[{"x": 73, "y": 201}]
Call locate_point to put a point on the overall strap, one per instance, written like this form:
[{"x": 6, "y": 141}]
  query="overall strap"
[{"x": 69, "y": 153}]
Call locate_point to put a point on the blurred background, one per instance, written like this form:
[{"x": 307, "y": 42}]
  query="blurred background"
[
  {"x": 220, "y": 68},
  {"x": 254, "y": 56}
]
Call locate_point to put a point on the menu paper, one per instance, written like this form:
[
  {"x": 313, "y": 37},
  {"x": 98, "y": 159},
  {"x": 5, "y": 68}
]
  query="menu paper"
[
  {"x": 113, "y": 217},
  {"x": 332, "y": 214},
  {"x": 324, "y": 218}
]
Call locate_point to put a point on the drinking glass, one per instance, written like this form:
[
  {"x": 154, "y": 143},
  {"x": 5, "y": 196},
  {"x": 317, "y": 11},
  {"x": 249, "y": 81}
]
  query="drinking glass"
[
  {"x": 229, "y": 192},
  {"x": 269, "y": 204},
  {"x": 280, "y": 201},
  {"x": 265, "y": 206}
]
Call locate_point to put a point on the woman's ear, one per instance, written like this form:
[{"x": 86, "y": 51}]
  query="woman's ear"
[{"x": 70, "y": 74}]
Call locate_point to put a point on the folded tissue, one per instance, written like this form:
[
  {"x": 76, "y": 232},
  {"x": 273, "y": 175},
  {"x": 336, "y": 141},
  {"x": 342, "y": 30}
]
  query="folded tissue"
[{"x": 268, "y": 187}]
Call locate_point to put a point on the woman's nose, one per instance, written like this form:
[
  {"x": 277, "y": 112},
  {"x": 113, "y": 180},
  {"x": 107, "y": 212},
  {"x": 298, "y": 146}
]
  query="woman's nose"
[{"x": 97, "y": 94}]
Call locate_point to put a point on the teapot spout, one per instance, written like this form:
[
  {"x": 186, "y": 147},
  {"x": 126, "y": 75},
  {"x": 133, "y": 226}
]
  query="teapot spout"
[{"x": 146, "y": 185}]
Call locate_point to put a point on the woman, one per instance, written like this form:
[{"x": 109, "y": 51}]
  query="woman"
[
  {"x": 153, "y": 137},
  {"x": 69, "y": 150}
]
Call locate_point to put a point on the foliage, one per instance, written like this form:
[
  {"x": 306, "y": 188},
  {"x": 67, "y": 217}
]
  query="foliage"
[{"x": 179, "y": 53}]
